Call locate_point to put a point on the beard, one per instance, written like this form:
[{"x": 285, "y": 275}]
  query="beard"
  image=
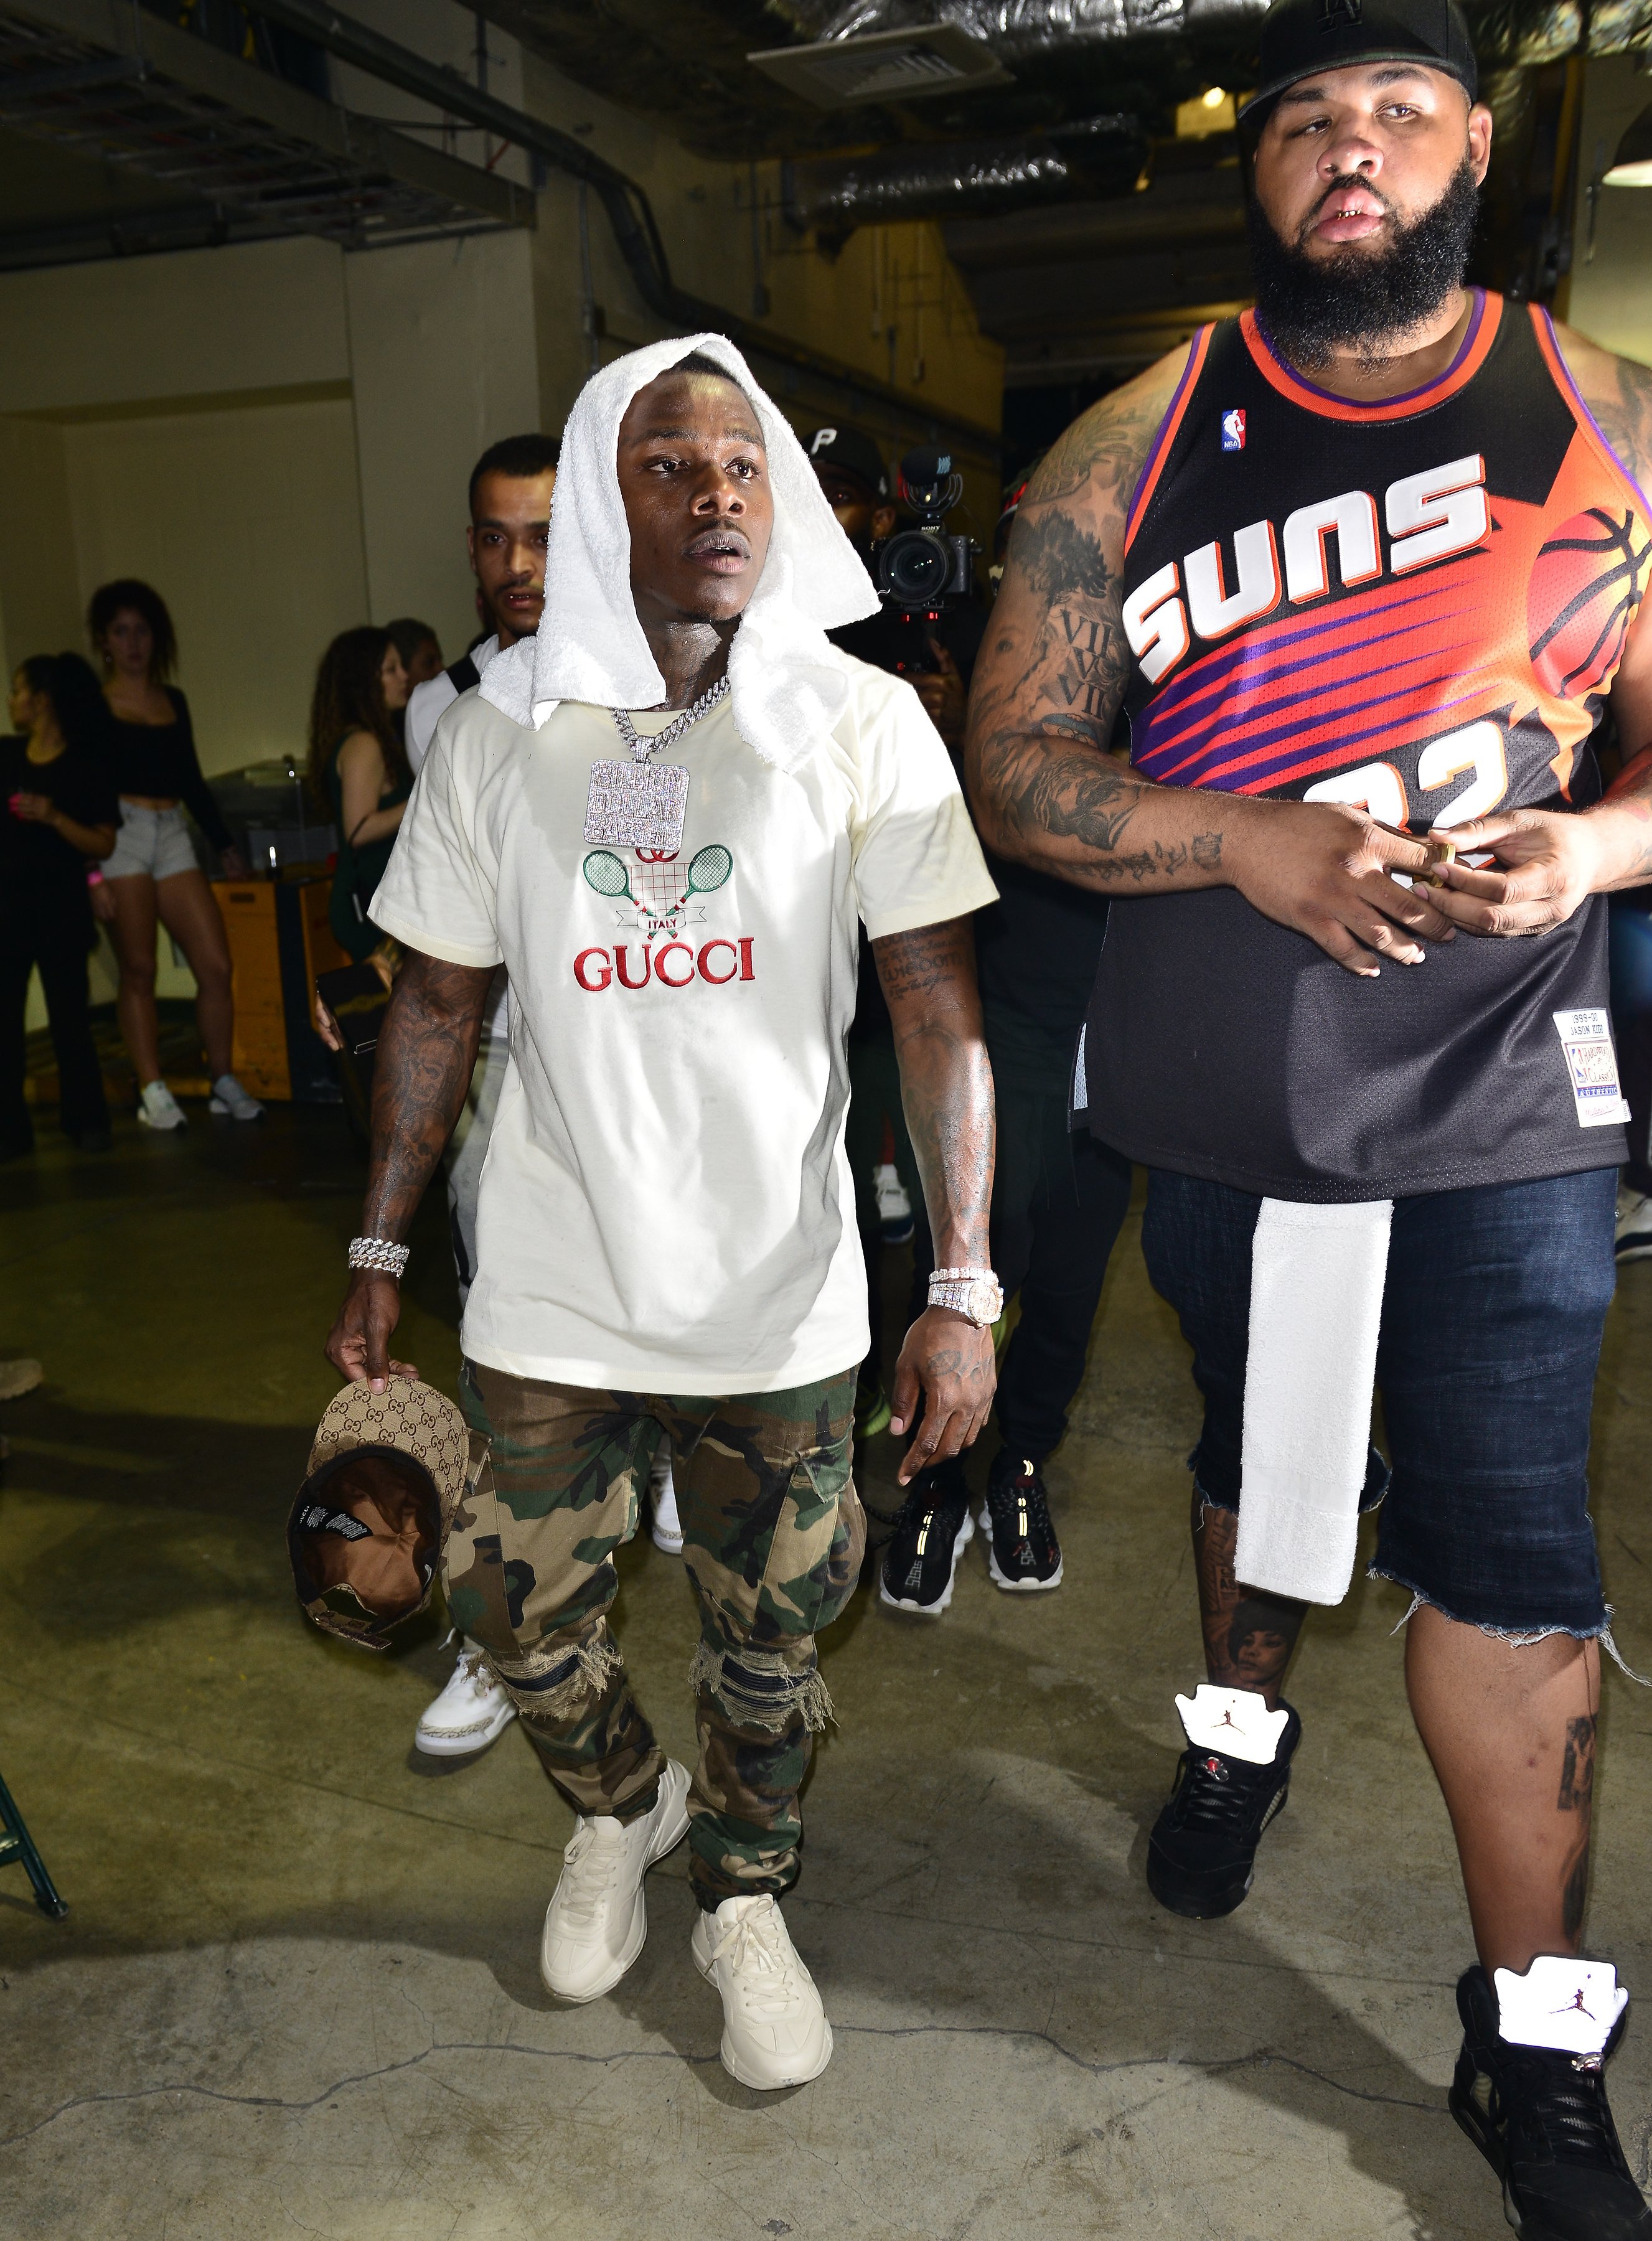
[{"x": 1358, "y": 298}]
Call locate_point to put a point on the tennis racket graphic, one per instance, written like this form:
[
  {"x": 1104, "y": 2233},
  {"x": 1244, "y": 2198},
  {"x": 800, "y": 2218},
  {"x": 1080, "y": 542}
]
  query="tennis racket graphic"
[{"x": 656, "y": 885}]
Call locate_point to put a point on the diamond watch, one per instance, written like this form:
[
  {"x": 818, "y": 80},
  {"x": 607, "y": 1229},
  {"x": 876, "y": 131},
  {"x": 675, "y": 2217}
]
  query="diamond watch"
[{"x": 972, "y": 1292}]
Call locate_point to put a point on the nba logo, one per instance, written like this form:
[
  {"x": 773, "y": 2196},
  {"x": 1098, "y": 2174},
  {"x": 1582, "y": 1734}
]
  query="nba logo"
[{"x": 1232, "y": 429}]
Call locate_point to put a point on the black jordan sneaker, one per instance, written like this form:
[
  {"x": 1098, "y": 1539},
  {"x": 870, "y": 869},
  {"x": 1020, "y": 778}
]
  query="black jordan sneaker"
[
  {"x": 933, "y": 1529},
  {"x": 1201, "y": 1855},
  {"x": 1023, "y": 1554},
  {"x": 1540, "y": 2118}
]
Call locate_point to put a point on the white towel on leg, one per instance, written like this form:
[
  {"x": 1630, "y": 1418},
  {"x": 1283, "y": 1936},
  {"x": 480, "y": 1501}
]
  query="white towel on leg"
[{"x": 1316, "y": 1308}]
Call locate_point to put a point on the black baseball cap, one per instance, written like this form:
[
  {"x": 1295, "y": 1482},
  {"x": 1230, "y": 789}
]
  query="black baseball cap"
[
  {"x": 1302, "y": 36},
  {"x": 852, "y": 453}
]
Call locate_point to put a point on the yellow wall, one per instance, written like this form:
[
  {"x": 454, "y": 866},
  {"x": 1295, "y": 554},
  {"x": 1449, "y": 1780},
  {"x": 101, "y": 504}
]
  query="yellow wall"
[
  {"x": 1610, "y": 296},
  {"x": 246, "y": 519}
]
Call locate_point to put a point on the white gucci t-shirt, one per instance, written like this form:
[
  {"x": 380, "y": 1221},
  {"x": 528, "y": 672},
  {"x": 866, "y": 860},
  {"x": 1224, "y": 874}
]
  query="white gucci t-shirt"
[{"x": 665, "y": 1205}]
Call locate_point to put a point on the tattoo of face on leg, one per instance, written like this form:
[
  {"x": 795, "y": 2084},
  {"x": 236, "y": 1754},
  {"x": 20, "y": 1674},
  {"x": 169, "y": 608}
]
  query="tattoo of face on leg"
[{"x": 1248, "y": 1638}]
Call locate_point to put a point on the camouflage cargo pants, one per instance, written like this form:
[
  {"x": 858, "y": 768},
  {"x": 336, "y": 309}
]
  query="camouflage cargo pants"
[{"x": 772, "y": 1537}]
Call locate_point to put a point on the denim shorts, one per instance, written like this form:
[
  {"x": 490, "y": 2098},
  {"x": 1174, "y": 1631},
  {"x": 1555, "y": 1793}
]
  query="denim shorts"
[
  {"x": 1492, "y": 1318},
  {"x": 154, "y": 841}
]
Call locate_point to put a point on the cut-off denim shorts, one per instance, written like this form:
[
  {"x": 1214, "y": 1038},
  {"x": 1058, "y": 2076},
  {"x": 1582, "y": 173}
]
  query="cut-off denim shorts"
[
  {"x": 1492, "y": 1318},
  {"x": 152, "y": 840}
]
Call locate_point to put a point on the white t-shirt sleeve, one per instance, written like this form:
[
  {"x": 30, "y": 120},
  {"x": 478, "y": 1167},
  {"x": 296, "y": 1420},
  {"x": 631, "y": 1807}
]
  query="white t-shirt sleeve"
[
  {"x": 917, "y": 861},
  {"x": 424, "y": 708},
  {"x": 437, "y": 893}
]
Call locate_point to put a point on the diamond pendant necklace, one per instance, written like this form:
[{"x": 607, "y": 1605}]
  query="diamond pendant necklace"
[{"x": 641, "y": 749}]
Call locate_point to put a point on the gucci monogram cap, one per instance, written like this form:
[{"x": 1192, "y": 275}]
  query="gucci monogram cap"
[
  {"x": 1302, "y": 37},
  {"x": 365, "y": 1536}
]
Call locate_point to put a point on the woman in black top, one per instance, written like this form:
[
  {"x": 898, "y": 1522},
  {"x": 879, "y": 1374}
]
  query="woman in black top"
[
  {"x": 358, "y": 770},
  {"x": 153, "y": 873},
  {"x": 57, "y": 816}
]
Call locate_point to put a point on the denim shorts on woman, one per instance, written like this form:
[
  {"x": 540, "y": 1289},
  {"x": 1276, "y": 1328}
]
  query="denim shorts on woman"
[
  {"x": 156, "y": 841},
  {"x": 1492, "y": 1317}
]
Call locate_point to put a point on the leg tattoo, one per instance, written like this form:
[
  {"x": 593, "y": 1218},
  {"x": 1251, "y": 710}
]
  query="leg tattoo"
[
  {"x": 1577, "y": 1796},
  {"x": 1248, "y": 1638}
]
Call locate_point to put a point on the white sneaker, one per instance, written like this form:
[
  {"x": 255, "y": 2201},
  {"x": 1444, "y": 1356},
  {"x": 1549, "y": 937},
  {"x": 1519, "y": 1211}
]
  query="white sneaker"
[
  {"x": 473, "y": 1712},
  {"x": 1634, "y": 1238},
  {"x": 595, "y": 1923},
  {"x": 159, "y": 1108},
  {"x": 774, "y": 2029},
  {"x": 228, "y": 1096},
  {"x": 667, "y": 1527},
  {"x": 19, "y": 1377}
]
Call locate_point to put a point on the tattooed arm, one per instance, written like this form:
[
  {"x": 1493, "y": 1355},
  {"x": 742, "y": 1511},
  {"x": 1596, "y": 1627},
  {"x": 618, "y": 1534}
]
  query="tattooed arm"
[
  {"x": 1049, "y": 683},
  {"x": 928, "y": 979},
  {"x": 421, "y": 1070}
]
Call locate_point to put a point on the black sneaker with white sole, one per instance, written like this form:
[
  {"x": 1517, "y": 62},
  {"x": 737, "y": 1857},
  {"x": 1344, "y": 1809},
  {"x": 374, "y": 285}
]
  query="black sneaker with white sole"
[
  {"x": 933, "y": 1530},
  {"x": 1201, "y": 1855},
  {"x": 1023, "y": 1554},
  {"x": 1540, "y": 2119}
]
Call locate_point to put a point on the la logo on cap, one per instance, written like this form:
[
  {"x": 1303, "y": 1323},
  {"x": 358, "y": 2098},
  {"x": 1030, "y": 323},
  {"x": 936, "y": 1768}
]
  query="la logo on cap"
[{"x": 1336, "y": 14}]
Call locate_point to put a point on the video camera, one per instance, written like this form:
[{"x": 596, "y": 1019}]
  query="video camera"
[{"x": 921, "y": 571}]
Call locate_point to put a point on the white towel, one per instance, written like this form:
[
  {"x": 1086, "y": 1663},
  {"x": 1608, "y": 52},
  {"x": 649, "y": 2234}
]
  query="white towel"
[
  {"x": 787, "y": 685},
  {"x": 1316, "y": 1283}
]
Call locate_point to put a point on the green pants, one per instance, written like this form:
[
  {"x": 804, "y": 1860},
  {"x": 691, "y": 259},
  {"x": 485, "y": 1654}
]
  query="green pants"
[{"x": 772, "y": 1538}]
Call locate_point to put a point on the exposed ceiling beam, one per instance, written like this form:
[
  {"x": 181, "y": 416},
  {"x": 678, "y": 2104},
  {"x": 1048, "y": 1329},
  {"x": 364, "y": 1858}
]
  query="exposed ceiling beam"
[{"x": 127, "y": 52}]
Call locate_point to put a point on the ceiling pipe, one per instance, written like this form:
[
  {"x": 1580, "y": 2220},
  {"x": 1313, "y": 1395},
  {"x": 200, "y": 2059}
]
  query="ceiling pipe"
[
  {"x": 976, "y": 178},
  {"x": 1531, "y": 31},
  {"x": 628, "y": 210},
  {"x": 1022, "y": 30}
]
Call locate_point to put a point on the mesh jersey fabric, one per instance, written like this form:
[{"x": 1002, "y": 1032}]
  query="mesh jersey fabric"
[{"x": 1419, "y": 605}]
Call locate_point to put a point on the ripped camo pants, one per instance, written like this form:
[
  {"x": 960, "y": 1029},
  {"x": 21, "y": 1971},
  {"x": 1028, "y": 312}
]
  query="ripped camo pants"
[{"x": 772, "y": 1538}]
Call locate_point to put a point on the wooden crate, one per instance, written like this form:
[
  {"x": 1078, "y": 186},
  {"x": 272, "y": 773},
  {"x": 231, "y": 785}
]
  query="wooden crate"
[{"x": 259, "y": 1060}]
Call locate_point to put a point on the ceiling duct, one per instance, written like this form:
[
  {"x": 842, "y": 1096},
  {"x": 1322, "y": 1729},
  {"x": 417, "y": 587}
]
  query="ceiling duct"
[
  {"x": 899, "y": 66},
  {"x": 1099, "y": 155},
  {"x": 1021, "y": 31},
  {"x": 1018, "y": 30}
]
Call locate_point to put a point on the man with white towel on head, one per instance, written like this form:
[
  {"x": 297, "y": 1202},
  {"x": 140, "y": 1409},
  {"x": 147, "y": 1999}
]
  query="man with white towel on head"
[
  {"x": 665, "y": 814},
  {"x": 1360, "y": 568}
]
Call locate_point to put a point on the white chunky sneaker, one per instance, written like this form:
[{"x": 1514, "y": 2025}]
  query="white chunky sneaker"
[
  {"x": 775, "y": 2031},
  {"x": 471, "y": 1712},
  {"x": 159, "y": 1108},
  {"x": 595, "y": 1923},
  {"x": 228, "y": 1096},
  {"x": 667, "y": 1528}
]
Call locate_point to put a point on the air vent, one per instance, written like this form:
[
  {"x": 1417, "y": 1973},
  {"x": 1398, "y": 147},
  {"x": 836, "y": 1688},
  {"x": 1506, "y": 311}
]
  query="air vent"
[{"x": 884, "y": 66}]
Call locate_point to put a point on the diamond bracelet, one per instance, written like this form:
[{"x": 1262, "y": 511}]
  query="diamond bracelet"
[{"x": 378, "y": 1253}]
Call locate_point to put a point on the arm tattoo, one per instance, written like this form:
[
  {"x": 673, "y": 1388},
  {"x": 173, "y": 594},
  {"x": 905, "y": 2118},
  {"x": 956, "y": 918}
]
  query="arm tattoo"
[
  {"x": 421, "y": 1070},
  {"x": 1623, "y": 411},
  {"x": 928, "y": 981},
  {"x": 1052, "y": 678}
]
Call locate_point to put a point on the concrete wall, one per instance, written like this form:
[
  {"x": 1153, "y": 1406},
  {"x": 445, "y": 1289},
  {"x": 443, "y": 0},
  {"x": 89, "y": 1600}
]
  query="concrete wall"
[{"x": 1610, "y": 297}]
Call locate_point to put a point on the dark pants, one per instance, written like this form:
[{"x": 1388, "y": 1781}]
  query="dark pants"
[
  {"x": 1631, "y": 951},
  {"x": 874, "y": 1096},
  {"x": 1057, "y": 1202},
  {"x": 1492, "y": 1316},
  {"x": 80, "y": 1083}
]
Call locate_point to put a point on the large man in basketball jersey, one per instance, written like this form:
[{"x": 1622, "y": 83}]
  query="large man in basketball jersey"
[{"x": 1361, "y": 567}]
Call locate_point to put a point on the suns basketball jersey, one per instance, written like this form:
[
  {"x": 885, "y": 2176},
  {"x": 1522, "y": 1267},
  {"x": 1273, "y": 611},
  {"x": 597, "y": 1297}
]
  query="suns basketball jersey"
[{"x": 1418, "y": 606}]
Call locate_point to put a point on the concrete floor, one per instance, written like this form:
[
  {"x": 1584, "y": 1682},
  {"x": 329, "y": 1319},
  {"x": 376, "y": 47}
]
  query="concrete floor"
[{"x": 297, "y": 1991}]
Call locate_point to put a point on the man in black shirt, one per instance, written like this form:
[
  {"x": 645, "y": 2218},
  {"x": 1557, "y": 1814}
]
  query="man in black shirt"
[{"x": 1058, "y": 1201}]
